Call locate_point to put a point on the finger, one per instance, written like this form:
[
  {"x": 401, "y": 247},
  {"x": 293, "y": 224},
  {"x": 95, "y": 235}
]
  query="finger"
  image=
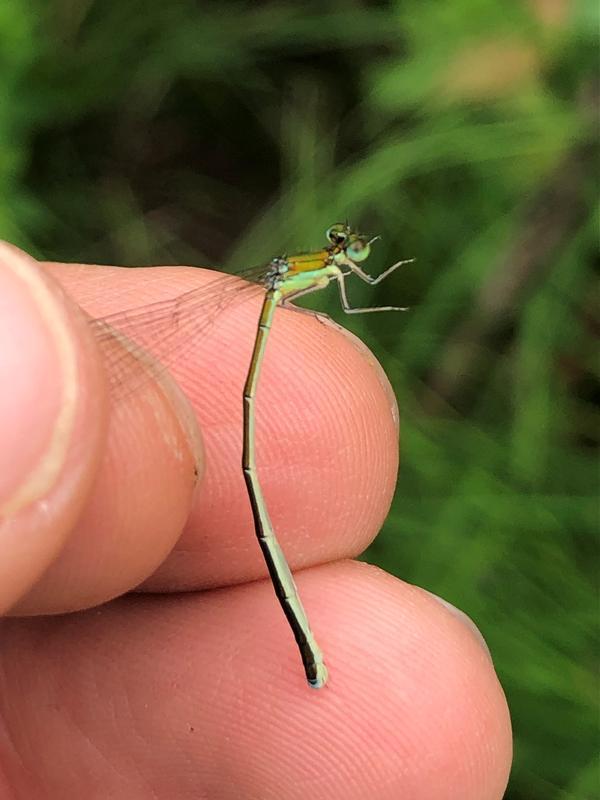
[
  {"x": 202, "y": 695},
  {"x": 51, "y": 420},
  {"x": 326, "y": 431}
]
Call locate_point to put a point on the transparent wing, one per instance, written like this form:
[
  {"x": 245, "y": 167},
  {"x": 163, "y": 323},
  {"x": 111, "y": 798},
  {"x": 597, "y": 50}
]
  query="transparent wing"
[{"x": 140, "y": 343}]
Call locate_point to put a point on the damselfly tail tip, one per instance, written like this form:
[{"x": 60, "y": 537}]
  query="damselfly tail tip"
[{"x": 320, "y": 678}]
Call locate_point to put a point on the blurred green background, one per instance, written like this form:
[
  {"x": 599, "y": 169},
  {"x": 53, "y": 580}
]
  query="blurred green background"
[{"x": 464, "y": 133}]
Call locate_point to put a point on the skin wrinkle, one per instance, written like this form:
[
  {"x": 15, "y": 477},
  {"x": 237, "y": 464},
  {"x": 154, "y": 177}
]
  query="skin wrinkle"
[
  {"x": 12, "y": 752},
  {"x": 44, "y": 475},
  {"x": 84, "y": 737}
]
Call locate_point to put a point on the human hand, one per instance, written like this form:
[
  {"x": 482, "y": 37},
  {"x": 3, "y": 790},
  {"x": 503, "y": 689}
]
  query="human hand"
[{"x": 192, "y": 686}]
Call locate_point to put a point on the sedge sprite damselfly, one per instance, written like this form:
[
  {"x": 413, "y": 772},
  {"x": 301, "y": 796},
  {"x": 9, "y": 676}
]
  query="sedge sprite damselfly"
[{"x": 285, "y": 279}]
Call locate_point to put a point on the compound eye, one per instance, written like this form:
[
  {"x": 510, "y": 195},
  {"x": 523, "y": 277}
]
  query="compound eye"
[
  {"x": 358, "y": 250},
  {"x": 338, "y": 233}
]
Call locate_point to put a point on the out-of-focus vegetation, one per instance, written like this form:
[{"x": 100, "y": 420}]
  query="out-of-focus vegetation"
[{"x": 464, "y": 133}]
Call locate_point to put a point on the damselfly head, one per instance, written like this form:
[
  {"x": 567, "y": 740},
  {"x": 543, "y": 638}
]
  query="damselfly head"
[{"x": 356, "y": 246}]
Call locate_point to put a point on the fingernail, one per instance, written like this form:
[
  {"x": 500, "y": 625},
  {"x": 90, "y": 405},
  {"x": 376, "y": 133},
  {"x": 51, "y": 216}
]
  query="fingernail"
[
  {"x": 466, "y": 621},
  {"x": 38, "y": 373}
]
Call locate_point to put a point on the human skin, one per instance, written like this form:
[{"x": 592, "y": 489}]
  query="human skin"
[{"x": 143, "y": 653}]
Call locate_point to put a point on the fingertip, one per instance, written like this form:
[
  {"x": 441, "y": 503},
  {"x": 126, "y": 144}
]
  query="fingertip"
[{"x": 413, "y": 708}]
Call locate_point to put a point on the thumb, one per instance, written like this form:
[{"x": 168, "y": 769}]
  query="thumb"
[{"x": 52, "y": 420}]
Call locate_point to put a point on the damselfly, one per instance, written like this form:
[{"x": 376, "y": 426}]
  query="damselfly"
[{"x": 285, "y": 279}]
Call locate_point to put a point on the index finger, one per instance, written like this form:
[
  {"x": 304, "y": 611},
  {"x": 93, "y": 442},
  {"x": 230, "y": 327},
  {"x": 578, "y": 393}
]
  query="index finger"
[{"x": 327, "y": 444}]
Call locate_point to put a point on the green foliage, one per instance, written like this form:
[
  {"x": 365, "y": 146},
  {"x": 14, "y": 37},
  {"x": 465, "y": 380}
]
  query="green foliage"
[{"x": 461, "y": 132}]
